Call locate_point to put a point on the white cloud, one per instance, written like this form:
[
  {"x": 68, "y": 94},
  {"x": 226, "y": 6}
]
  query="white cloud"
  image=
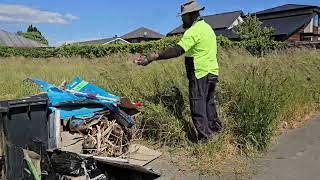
[
  {"x": 24, "y": 14},
  {"x": 71, "y": 17}
]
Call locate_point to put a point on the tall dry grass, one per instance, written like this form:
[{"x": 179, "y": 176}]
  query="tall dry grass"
[{"x": 254, "y": 96}]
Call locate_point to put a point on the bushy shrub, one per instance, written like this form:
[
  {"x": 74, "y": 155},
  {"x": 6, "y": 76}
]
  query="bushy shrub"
[{"x": 256, "y": 39}]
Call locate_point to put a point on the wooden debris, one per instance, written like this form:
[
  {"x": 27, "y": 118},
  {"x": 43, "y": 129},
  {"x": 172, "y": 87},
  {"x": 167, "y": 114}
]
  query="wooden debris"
[{"x": 105, "y": 137}]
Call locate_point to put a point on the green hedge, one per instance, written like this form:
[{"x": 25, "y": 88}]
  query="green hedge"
[
  {"x": 96, "y": 51},
  {"x": 90, "y": 51}
]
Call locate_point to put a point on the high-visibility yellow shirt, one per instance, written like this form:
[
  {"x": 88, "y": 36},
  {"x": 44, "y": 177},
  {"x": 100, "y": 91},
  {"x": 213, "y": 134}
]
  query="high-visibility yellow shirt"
[{"x": 200, "y": 42}]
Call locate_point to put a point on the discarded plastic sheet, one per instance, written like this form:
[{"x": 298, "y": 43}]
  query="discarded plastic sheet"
[
  {"x": 69, "y": 94},
  {"x": 81, "y": 99},
  {"x": 58, "y": 97},
  {"x": 77, "y": 112},
  {"x": 92, "y": 91}
]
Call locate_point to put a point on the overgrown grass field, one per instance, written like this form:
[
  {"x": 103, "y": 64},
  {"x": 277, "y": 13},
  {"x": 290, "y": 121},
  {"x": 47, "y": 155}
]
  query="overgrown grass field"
[{"x": 255, "y": 96}]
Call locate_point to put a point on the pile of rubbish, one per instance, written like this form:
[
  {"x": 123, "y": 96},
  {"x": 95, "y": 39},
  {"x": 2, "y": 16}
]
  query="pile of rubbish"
[
  {"x": 102, "y": 119},
  {"x": 90, "y": 128}
]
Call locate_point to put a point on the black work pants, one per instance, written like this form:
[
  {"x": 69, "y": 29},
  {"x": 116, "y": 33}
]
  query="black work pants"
[{"x": 203, "y": 106}]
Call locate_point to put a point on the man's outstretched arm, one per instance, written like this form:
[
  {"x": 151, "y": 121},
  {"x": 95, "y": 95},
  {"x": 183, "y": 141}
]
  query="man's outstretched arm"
[{"x": 173, "y": 52}]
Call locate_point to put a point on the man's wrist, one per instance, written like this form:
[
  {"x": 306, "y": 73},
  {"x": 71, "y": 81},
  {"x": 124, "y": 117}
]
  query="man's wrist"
[
  {"x": 157, "y": 56},
  {"x": 153, "y": 57}
]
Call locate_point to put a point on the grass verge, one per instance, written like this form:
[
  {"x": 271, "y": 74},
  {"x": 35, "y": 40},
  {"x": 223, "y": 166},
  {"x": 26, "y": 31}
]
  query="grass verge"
[{"x": 255, "y": 96}]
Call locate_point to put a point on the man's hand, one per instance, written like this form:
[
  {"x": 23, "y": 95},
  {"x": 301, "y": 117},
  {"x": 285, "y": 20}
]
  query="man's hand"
[{"x": 145, "y": 60}]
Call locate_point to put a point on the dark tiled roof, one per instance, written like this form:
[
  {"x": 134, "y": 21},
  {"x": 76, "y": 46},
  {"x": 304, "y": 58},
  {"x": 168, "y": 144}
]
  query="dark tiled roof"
[
  {"x": 14, "y": 40},
  {"x": 224, "y": 32},
  {"x": 223, "y": 20},
  {"x": 216, "y": 21},
  {"x": 139, "y": 33},
  {"x": 287, "y": 25},
  {"x": 95, "y": 42},
  {"x": 177, "y": 30},
  {"x": 100, "y": 41},
  {"x": 229, "y": 33},
  {"x": 286, "y": 7},
  {"x": 142, "y": 33}
]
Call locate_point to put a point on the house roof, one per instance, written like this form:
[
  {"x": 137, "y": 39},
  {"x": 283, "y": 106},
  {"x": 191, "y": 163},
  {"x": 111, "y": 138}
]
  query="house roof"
[
  {"x": 117, "y": 39},
  {"x": 142, "y": 32},
  {"x": 287, "y": 19},
  {"x": 226, "y": 33},
  {"x": 177, "y": 30},
  {"x": 223, "y": 20},
  {"x": 14, "y": 40},
  {"x": 286, "y": 7},
  {"x": 138, "y": 33},
  {"x": 92, "y": 42},
  {"x": 216, "y": 21},
  {"x": 99, "y": 41},
  {"x": 287, "y": 25}
]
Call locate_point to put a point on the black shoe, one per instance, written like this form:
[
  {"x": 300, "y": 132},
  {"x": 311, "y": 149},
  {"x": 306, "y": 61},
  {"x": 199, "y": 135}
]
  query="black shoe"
[{"x": 218, "y": 129}]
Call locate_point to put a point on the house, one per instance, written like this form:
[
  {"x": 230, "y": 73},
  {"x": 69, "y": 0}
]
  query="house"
[
  {"x": 292, "y": 22},
  {"x": 136, "y": 36},
  {"x": 9, "y": 39},
  {"x": 222, "y": 24},
  {"x": 105, "y": 41},
  {"x": 142, "y": 34}
]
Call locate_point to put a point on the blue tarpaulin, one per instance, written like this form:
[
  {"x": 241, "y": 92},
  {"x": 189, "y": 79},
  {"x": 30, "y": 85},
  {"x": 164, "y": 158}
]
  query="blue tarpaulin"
[{"x": 81, "y": 99}]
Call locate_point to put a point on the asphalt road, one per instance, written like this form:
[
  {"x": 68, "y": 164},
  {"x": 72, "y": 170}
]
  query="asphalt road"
[{"x": 295, "y": 157}]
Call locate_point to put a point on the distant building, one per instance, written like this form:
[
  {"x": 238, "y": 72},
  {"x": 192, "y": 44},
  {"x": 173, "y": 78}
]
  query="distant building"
[
  {"x": 136, "y": 36},
  {"x": 222, "y": 24},
  {"x": 142, "y": 34},
  {"x": 292, "y": 22},
  {"x": 105, "y": 41},
  {"x": 9, "y": 39}
]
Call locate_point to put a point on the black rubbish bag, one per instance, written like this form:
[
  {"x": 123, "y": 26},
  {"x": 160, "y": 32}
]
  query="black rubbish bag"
[
  {"x": 71, "y": 164},
  {"x": 66, "y": 163}
]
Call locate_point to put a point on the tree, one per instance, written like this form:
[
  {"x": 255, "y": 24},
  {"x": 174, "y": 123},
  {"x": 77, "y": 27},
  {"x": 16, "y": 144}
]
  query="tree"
[
  {"x": 251, "y": 29},
  {"x": 33, "y": 29},
  {"x": 34, "y": 34},
  {"x": 254, "y": 37}
]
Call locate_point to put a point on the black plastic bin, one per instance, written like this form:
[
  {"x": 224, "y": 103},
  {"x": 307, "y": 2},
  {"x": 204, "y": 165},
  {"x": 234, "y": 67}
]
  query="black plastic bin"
[{"x": 24, "y": 125}]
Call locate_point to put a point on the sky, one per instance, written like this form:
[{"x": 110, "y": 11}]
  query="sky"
[{"x": 63, "y": 21}]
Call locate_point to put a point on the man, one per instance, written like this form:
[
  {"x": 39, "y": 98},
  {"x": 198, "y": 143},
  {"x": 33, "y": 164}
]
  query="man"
[{"x": 200, "y": 46}]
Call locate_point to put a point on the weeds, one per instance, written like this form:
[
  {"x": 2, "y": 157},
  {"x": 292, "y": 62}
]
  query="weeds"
[{"x": 254, "y": 96}]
